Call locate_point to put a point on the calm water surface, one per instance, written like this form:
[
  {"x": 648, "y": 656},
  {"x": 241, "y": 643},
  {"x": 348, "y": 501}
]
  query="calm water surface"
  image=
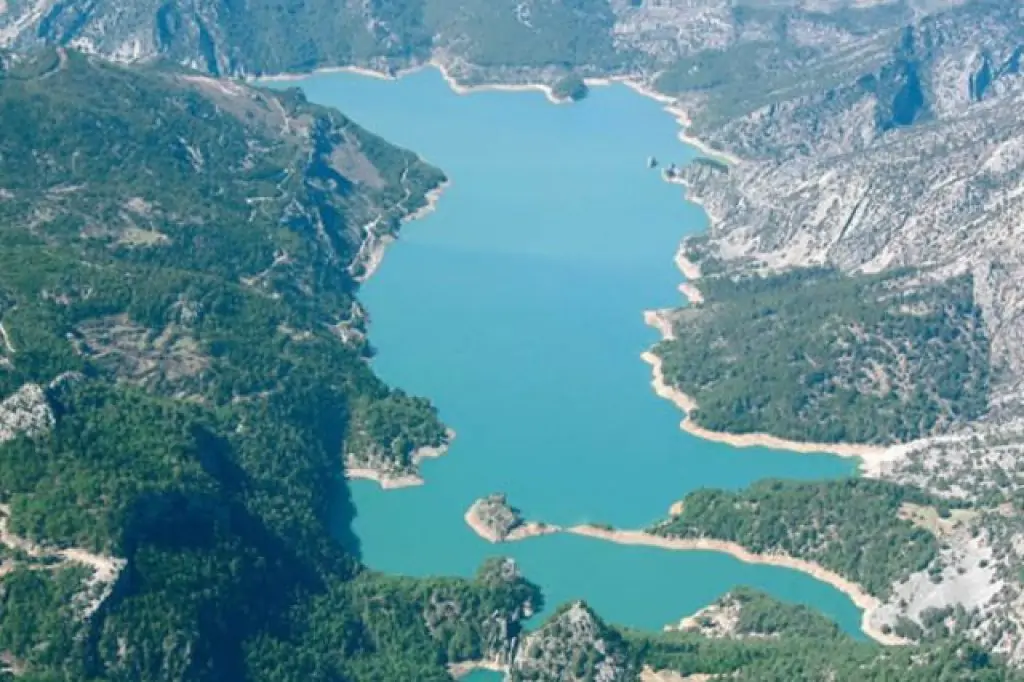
[
  {"x": 517, "y": 308},
  {"x": 483, "y": 676}
]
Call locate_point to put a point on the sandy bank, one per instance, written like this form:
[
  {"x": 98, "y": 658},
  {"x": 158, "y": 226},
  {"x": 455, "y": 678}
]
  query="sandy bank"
[
  {"x": 371, "y": 255},
  {"x": 641, "y": 89},
  {"x": 691, "y": 293},
  {"x": 431, "y": 197},
  {"x": 707, "y": 150},
  {"x": 460, "y": 670},
  {"x": 873, "y": 459},
  {"x": 683, "y": 119},
  {"x": 496, "y": 87},
  {"x": 371, "y": 251},
  {"x": 662, "y": 388},
  {"x": 684, "y": 122},
  {"x": 659, "y": 319},
  {"x": 434, "y": 451},
  {"x": 387, "y": 480},
  {"x": 855, "y": 592},
  {"x": 358, "y": 70},
  {"x": 456, "y": 87},
  {"x": 631, "y": 82},
  {"x": 690, "y": 270}
]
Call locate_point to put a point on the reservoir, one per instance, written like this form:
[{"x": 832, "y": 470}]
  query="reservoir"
[{"x": 517, "y": 308}]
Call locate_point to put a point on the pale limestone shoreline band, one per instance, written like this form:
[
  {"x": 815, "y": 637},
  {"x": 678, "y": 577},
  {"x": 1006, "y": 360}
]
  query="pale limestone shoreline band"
[
  {"x": 389, "y": 481},
  {"x": 690, "y": 270},
  {"x": 529, "y": 529},
  {"x": 864, "y": 601},
  {"x": 432, "y": 196},
  {"x": 455, "y": 86},
  {"x": 873, "y": 458},
  {"x": 692, "y": 293},
  {"x": 376, "y": 247},
  {"x": 649, "y": 674},
  {"x": 857, "y": 594},
  {"x": 631, "y": 82},
  {"x": 660, "y": 321},
  {"x": 385, "y": 480},
  {"x": 460, "y": 670}
]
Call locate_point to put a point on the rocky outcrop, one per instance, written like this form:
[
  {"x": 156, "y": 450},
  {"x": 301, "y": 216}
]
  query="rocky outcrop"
[
  {"x": 716, "y": 620},
  {"x": 574, "y": 645},
  {"x": 492, "y": 627},
  {"x": 25, "y": 412},
  {"x": 495, "y": 520}
]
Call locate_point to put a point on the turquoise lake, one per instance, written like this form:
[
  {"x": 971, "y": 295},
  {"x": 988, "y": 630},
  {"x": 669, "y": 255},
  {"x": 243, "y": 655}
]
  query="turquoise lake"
[{"x": 517, "y": 308}]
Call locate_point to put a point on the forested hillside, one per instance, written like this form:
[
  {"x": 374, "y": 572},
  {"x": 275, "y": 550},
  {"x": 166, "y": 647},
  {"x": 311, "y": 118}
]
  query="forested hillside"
[
  {"x": 175, "y": 257},
  {"x": 187, "y": 249}
]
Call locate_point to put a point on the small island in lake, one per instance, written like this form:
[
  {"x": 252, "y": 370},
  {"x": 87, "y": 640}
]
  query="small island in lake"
[{"x": 495, "y": 520}]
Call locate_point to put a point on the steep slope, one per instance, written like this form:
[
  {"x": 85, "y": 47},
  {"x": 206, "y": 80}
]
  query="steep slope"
[
  {"x": 274, "y": 37},
  {"x": 846, "y": 95},
  {"x": 907, "y": 173},
  {"x": 191, "y": 192},
  {"x": 936, "y": 193},
  {"x": 505, "y": 40},
  {"x": 176, "y": 255}
]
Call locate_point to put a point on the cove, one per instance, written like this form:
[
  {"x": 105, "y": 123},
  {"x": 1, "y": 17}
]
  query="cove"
[{"x": 517, "y": 308}]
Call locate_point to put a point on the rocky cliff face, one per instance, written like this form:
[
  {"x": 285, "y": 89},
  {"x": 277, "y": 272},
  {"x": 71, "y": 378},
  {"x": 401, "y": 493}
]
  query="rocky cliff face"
[
  {"x": 505, "y": 40},
  {"x": 273, "y": 37},
  {"x": 879, "y": 186},
  {"x": 496, "y": 627},
  {"x": 834, "y": 101},
  {"x": 573, "y": 646},
  {"x": 25, "y": 412},
  {"x": 494, "y": 517}
]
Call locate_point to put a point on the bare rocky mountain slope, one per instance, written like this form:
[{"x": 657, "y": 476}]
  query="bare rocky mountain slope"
[{"x": 508, "y": 39}]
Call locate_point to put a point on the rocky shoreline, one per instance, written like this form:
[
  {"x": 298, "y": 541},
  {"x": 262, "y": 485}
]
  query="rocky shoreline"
[
  {"x": 387, "y": 475},
  {"x": 371, "y": 251},
  {"x": 495, "y": 520}
]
